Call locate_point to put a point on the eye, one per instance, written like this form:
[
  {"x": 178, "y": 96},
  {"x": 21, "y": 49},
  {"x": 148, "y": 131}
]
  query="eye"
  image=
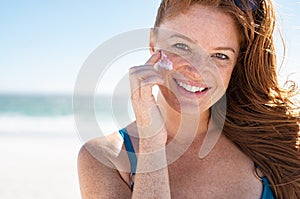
[
  {"x": 221, "y": 56},
  {"x": 182, "y": 46}
]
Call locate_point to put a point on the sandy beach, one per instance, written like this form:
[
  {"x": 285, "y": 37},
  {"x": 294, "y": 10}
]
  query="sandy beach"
[{"x": 39, "y": 168}]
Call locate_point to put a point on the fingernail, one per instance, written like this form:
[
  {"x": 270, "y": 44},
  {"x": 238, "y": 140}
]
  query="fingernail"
[{"x": 158, "y": 51}]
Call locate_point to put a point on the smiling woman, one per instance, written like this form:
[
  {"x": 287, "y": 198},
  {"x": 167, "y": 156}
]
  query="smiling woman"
[
  {"x": 220, "y": 51},
  {"x": 205, "y": 53}
]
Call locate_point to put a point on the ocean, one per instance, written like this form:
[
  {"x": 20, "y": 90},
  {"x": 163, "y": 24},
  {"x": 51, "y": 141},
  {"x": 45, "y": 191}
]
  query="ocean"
[
  {"x": 39, "y": 144},
  {"x": 48, "y": 115},
  {"x": 35, "y": 115}
]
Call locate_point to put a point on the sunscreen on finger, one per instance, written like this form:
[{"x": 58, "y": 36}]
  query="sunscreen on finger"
[{"x": 165, "y": 62}]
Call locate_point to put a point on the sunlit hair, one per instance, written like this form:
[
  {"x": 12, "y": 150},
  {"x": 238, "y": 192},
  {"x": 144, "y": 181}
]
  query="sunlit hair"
[{"x": 261, "y": 118}]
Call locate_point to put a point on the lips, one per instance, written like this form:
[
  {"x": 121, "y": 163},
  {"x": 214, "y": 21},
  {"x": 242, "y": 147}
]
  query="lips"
[{"x": 192, "y": 87}]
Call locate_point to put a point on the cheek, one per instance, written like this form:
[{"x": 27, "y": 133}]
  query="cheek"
[
  {"x": 170, "y": 97},
  {"x": 177, "y": 59},
  {"x": 225, "y": 77}
]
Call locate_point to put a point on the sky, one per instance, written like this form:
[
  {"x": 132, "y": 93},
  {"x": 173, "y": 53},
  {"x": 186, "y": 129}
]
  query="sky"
[{"x": 43, "y": 44}]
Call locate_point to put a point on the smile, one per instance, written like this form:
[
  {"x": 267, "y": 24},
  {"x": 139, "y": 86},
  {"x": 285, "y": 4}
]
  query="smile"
[{"x": 191, "y": 88}]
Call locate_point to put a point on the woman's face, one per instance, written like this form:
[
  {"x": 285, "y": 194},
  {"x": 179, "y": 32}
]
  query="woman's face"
[{"x": 203, "y": 45}]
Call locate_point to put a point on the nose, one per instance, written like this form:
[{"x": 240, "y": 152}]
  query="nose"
[
  {"x": 192, "y": 71},
  {"x": 194, "y": 68}
]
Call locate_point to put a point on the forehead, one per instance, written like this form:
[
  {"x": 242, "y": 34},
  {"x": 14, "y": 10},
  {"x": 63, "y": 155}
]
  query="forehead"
[{"x": 205, "y": 25}]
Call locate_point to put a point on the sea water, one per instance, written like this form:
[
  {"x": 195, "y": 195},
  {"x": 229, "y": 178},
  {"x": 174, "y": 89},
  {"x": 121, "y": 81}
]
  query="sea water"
[
  {"x": 47, "y": 115},
  {"x": 39, "y": 144}
]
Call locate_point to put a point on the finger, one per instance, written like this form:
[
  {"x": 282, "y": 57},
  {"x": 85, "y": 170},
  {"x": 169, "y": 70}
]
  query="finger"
[
  {"x": 135, "y": 68},
  {"x": 154, "y": 58},
  {"x": 141, "y": 89},
  {"x": 146, "y": 87},
  {"x": 144, "y": 72},
  {"x": 140, "y": 74},
  {"x": 151, "y": 81}
]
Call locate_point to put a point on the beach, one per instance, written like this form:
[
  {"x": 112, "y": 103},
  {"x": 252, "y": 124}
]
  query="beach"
[
  {"x": 39, "y": 167},
  {"x": 39, "y": 145}
]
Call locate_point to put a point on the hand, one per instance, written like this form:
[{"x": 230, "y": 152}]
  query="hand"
[{"x": 148, "y": 116}]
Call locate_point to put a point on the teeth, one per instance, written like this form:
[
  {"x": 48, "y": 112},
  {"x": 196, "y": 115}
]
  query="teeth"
[
  {"x": 190, "y": 88},
  {"x": 201, "y": 89},
  {"x": 194, "y": 89}
]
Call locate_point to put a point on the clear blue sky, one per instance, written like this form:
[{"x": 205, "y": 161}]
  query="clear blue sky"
[{"x": 44, "y": 43}]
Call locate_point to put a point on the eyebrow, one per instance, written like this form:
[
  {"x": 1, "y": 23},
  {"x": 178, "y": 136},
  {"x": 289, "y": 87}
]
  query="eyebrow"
[
  {"x": 183, "y": 37},
  {"x": 225, "y": 48},
  {"x": 191, "y": 40}
]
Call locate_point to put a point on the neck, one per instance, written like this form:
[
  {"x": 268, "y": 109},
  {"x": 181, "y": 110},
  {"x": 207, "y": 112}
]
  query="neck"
[{"x": 184, "y": 128}]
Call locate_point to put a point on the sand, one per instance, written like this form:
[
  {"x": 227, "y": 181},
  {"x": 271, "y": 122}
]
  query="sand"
[{"x": 44, "y": 167}]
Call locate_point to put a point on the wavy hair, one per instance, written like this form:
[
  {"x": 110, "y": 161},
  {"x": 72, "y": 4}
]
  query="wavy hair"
[{"x": 262, "y": 118}]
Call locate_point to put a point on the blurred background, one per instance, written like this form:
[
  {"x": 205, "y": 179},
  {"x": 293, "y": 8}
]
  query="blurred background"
[{"x": 43, "y": 45}]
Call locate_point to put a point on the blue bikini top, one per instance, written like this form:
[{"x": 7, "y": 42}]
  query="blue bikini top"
[{"x": 266, "y": 194}]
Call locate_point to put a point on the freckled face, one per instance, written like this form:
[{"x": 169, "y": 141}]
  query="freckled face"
[{"x": 201, "y": 79}]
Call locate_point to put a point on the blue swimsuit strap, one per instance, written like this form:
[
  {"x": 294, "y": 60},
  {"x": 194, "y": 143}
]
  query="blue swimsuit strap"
[
  {"x": 267, "y": 192},
  {"x": 131, "y": 154}
]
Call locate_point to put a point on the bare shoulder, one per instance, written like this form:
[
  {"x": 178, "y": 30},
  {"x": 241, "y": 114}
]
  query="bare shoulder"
[
  {"x": 111, "y": 146},
  {"x": 103, "y": 168},
  {"x": 108, "y": 146},
  {"x": 240, "y": 172}
]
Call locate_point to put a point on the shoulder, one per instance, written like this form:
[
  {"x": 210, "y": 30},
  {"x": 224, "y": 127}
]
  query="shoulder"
[
  {"x": 109, "y": 145},
  {"x": 108, "y": 150},
  {"x": 240, "y": 171},
  {"x": 103, "y": 168},
  {"x": 98, "y": 155}
]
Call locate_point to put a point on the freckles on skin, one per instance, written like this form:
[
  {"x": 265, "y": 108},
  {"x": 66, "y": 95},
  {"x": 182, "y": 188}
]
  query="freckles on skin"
[
  {"x": 208, "y": 27},
  {"x": 211, "y": 29},
  {"x": 212, "y": 32}
]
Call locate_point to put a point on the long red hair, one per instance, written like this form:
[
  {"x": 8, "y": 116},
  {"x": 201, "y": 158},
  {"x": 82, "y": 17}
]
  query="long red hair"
[{"x": 261, "y": 118}]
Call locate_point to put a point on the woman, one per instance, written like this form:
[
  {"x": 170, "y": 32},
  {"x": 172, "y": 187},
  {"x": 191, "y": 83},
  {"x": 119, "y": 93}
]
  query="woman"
[{"x": 256, "y": 155}]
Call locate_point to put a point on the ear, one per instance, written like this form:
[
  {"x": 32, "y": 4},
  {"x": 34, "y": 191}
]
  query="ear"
[{"x": 152, "y": 41}]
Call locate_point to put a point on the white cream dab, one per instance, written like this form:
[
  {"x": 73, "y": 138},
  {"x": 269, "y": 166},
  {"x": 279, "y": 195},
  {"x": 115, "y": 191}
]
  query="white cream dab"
[{"x": 165, "y": 62}]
